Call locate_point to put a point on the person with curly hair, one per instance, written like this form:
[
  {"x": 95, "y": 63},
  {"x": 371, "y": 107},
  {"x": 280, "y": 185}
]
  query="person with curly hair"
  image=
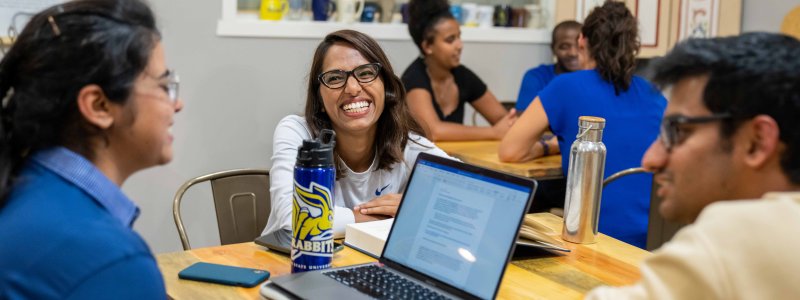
[
  {"x": 607, "y": 88},
  {"x": 438, "y": 84}
]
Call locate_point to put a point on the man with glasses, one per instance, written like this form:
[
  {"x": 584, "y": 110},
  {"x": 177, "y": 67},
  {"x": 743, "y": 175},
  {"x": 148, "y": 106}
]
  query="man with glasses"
[{"x": 731, "y": 131}]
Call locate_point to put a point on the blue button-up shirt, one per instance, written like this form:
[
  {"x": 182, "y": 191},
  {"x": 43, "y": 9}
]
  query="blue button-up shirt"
[
  {"x": 65, "y": 233},
  {"x": 83, "y": 174}
]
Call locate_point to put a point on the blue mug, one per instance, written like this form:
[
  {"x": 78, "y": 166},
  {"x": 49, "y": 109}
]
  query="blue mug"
[
  {"x": 370, "y": 10},
  {"x": 322, "y": 9},
  {"x": 457, "y": 13}
]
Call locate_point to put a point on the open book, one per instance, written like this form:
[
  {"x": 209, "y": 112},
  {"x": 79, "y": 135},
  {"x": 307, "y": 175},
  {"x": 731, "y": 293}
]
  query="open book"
[
  {"x": 535, "y": 234},
  {"x": 369, "y": 237}
]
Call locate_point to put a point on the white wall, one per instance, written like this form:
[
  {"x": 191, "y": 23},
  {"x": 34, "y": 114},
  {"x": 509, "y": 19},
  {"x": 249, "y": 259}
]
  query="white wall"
[
  {"x": 765, "y": 15},
  {"x": 236, "y": 90}
]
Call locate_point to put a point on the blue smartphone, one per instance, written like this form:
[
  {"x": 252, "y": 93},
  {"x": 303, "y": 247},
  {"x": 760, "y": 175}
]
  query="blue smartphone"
[{"x": 222, "y": 274}]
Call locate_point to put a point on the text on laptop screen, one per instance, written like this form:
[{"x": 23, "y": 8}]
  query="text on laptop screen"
[{"x": 457, "y": 226}]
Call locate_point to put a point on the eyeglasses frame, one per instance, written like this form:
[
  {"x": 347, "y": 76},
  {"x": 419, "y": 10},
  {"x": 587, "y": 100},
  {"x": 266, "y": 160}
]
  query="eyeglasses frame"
[
  {"x": 349, "y": 74},
  {"x": 668, "y": 133}
]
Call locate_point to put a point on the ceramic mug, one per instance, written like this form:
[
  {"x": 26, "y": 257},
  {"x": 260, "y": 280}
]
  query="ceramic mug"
[
  {"x": 469, "y": 11},
  {"x": 387, "y": 10},
  {"x": 535, "y": 16},
  {"x": 349, "y": 10},
  {"x": 502, "y": 15},
  {"x": 485, "y": 16},
  {"x": 322, "y": 9},
  {"x": 273, "y": 9},
  {"x": 295, "y": 10},
  {"x": 457, "y": 13},
  {"x": 372, "y": 11},
  {"x": 519, "y": 17}
]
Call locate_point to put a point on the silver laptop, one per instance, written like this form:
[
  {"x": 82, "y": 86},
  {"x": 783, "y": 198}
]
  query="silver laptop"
[{"x": 452, "y": 238}]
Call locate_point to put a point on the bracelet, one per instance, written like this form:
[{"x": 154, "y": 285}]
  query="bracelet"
[{"x": 545, "y": 147}]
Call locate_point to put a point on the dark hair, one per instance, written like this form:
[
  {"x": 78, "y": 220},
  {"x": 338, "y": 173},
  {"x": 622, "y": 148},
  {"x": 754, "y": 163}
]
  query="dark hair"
[
  {"x": 748, "y": 75},
  {"x": 61, "y": 50},
  {"x": 569, "y": 24},
  {"x": 613, "y": 43},
  {"x": 394, "y": 124},
  {"x": 423, "y": 16}
]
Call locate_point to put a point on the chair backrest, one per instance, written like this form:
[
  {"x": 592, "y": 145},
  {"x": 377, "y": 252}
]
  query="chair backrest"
[
  {"x": 508, "y": 105},
  {"x": 241, "y": 201},
  {"x": 659, "y": 230}
]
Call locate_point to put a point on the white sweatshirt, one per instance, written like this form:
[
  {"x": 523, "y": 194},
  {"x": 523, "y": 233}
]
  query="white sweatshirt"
[{"x": 353, "y": 189}]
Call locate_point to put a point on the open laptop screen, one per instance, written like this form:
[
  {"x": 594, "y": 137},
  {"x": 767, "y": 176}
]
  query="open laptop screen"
[{"x": 457, "y": 226}]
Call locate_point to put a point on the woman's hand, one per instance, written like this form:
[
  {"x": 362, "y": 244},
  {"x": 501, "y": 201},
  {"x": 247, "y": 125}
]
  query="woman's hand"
[
  {"x": 385, "y": 205},
  {"x": 503, "y": 125}
]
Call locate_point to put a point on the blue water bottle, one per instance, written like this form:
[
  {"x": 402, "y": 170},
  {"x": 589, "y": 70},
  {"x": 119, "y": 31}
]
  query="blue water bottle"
[{"x": 312, "y": 208}]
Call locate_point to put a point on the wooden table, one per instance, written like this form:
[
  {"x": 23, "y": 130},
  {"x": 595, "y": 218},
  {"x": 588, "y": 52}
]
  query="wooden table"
[
  {"x": 484, "y": 154},
  {"x": 531, "y": 274}
]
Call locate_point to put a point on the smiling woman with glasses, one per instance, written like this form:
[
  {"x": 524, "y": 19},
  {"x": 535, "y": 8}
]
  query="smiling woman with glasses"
[
  {"x": 352, "y": 89},
  {"x": 87, "y": 101}
]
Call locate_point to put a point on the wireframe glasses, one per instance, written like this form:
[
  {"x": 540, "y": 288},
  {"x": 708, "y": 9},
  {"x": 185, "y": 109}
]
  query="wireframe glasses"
[
  {"x": 173, "y": 85},
  {"x": 336, "y": 79},
  {"x": 671, "y": 134}
]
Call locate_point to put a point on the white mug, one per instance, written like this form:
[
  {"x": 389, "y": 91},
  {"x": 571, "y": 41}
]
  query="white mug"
[
  {"x": 348, "y": 11},
  {"x": 469, "y": 11},
  {"x": 485, "y": 16}
]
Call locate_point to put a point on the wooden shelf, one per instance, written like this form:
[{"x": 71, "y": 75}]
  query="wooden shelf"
[{"x": 247, "y": 27}]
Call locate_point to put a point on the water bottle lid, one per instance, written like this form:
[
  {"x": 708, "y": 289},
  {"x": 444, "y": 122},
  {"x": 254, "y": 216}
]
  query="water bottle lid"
[
  {"x": 317, "y": 152},
  {"x": 589, "y": 122}
]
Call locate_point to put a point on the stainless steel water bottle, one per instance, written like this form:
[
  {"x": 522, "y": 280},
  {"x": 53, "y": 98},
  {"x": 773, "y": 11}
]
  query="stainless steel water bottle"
[
  {"x": 587, "y": 160},
  {"x": 312, "y": 205}
]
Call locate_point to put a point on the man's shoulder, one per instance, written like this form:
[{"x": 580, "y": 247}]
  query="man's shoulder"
[
  {"x": 751, "y": 224},
  {"x": 772, "y": 203}
]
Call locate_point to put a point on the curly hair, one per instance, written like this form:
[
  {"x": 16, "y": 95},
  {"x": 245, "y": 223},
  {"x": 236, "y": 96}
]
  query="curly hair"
[
  {"x": 423, "y": 16},
  {"x": 613, "y": 36},
  {"x": 62, "y": 49},
  {"x": 394, "y": 124},
  {"x": 748, "y": 75}
]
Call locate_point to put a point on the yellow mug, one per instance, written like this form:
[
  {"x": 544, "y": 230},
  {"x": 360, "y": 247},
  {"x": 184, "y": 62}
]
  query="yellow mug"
[{"x": 273, "y": 9}]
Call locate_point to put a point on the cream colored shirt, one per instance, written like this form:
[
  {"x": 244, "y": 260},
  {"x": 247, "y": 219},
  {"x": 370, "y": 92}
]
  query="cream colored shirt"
[{"x": 747, "y": 249}]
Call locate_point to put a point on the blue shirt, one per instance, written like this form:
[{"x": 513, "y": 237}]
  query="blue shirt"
[
  {"x": 533, "y": 82},
  {"x": 632, "y": 124},
  {"x": 67, "y": 234}
]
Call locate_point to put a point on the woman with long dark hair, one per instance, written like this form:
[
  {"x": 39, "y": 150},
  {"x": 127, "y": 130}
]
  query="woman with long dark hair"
[
  {"x": 87, "y": 102},
  {"x": 438, "y": 84},
  {"x": 631, "y": 106},
  {"x": 352, "y": 89}
]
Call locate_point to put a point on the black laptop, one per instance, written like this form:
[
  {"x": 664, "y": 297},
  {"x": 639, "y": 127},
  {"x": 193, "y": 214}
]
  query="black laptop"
[{"x": 452, "y": 238}]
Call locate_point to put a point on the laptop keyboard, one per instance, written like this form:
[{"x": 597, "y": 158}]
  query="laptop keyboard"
[{"x": 381, "y": 284}]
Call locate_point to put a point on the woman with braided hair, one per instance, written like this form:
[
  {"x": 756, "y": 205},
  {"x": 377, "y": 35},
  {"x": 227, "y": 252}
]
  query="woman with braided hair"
[
  {"x": 607, "y": 88},
  {"x": 87, "y": 102},
  {"x": 439, "y": 85}
]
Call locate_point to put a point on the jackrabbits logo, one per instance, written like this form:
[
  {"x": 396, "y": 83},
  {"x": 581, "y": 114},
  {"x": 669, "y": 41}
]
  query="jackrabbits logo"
[{"x": 313, "y": 221}]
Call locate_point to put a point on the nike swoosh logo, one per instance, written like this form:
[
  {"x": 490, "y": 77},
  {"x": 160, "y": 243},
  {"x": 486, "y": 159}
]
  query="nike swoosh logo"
[{"x": 379, "y": 191}]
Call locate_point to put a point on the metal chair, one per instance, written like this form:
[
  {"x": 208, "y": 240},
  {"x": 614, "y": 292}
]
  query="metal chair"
[
  {"x": 659, "y": 230},
  {"x": 508, "y": 105},
  {"x": 241, "y": 201}
]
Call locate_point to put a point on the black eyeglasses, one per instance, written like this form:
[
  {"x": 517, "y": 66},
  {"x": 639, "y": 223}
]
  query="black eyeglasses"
[
  {"x": 335, "y": 79},
  {"x": 671, "y": 134}
]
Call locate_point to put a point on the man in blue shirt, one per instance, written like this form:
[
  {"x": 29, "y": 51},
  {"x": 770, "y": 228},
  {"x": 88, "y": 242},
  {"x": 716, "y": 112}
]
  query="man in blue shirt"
[{"x": 564, "y": 45}]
